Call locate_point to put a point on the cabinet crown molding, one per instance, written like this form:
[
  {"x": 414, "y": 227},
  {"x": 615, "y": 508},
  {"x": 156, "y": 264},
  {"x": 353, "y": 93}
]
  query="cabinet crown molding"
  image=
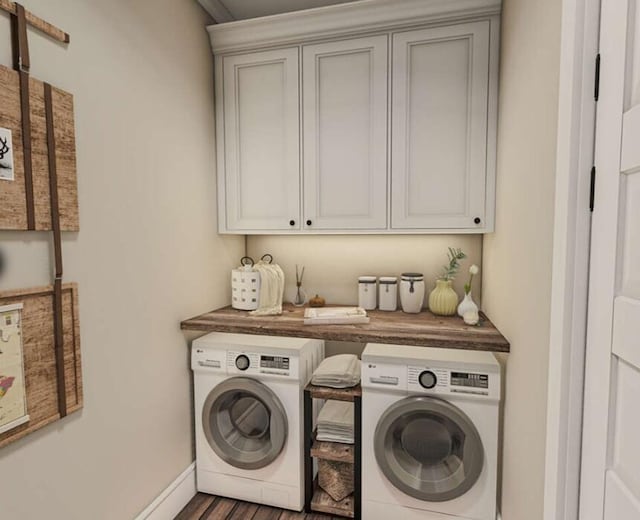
[{"x": 349, "y": 19}]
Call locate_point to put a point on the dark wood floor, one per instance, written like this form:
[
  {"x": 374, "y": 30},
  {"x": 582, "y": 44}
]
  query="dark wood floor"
[{"x": 209, "y": 507}]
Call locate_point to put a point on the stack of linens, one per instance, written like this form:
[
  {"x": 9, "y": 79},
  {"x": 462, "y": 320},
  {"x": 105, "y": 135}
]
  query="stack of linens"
[
  {"x": 335, "y": 422},
  {"x": 341, "y": 371}
]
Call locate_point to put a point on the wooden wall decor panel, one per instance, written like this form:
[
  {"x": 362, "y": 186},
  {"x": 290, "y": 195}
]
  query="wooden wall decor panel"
[
  {"x": 12, "y": 193},
  {"x": 39, "y": 356}
]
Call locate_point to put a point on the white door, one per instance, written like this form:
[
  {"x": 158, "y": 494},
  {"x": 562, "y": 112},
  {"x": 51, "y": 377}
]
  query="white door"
[
  {"x": 261, "y": 141},
  {"x": 610, "y": 474},
  {"x": 345, "y": 134},
  {"x": 439, "y": 127}
]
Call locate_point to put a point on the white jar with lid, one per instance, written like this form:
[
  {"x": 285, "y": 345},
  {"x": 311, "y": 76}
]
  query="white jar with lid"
[
  {"x": 367, "y": 292},
  {"x": 412, "y": 292},
  {"x": 388, "y": 293}
]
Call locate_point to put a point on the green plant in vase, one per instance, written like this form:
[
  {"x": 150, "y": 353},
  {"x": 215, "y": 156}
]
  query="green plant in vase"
[{"x": 443, "y": 300}]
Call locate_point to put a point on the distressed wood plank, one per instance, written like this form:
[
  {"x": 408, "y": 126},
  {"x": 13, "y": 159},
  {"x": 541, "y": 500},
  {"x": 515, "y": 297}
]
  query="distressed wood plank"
[
  {"x": 267, "y": 513},
  {"x": 219, "y": 509},
  {"x": 337, "y": 394},
  {"x": 196, "y": 507},
  {"x": 37, "y": 22},
  {"x": 323, "y": 503},
  {"x": 423, "y": 329},
  {"x": 243, "y": 511},
  {"x": 210, "y": 507},
  {"x": 292, "y": 515},
  {"x": 334, "y": 451}
]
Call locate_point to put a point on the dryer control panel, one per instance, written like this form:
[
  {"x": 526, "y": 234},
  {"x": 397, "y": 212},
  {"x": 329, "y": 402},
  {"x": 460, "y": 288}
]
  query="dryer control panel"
[{"x": 431, "y": 380}]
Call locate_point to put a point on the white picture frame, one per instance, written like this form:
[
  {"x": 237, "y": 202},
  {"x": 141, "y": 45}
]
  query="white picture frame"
[
  {"x": 13, "y": 395},
  {"x": 7, "y": 170}
]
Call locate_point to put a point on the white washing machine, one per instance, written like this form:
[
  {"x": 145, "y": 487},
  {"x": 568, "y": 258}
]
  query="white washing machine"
[
  {"x": 249, "y": 415},
  {"x": 429, "y": 433}
]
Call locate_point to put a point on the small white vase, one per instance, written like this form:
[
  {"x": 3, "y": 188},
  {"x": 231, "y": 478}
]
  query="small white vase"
[{"x": 466, "y": 305}]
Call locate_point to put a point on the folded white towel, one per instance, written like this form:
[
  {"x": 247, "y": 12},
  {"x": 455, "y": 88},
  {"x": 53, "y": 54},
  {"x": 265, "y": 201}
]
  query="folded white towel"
[
  {"x": 271, "y": 289},
  {"x": 341, "y": 371},
  {"x": 335, "y": 422}
]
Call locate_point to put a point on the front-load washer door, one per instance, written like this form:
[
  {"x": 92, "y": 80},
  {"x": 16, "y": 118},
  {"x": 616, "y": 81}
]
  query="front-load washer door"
[
  {"x": 245, "y": 423},
  {"x": 428, "y": 449}
]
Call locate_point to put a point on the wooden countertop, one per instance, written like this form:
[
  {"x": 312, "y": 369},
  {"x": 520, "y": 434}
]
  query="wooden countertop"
[{"x": 424, "y": 329}]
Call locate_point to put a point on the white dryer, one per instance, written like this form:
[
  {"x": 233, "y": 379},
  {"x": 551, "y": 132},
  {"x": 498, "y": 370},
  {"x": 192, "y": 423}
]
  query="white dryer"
[
  {"x": 248, "y": 393},
  {"x": 430, "y": 433}
]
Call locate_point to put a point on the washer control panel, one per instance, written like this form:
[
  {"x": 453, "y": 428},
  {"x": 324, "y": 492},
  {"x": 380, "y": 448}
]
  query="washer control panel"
[
  {"x": 255, "y": 363},
  {"x": 470, "y": 380},
  {"x": 277, "y": 362},
  {"x": 242, "y": 362},
  {"x": 208, "y": 360},
  {"x": 427, "y": 378},
  {"x": 447, "y": 381},
  {"x": 433, "y": 379}
]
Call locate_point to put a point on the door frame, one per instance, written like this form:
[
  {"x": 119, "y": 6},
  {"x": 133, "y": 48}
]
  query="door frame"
[{"x": 571, "y": 246}]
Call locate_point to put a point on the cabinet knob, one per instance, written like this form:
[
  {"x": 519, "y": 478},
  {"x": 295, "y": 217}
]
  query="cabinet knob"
[
  {"x": 292, "y": 222},
  {"x": 477, "y": 220},
  {"x": 309, "y": 222}
]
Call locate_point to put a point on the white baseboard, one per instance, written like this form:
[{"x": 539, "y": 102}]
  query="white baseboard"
[{"x": 171, "y": 501}]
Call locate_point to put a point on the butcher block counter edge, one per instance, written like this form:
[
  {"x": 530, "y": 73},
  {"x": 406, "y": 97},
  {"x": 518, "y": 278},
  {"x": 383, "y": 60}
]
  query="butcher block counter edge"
[{"x": 423, "y": 329}]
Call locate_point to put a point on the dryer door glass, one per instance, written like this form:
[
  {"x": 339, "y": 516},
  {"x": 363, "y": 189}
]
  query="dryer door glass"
[
  {"x": 428, "y": 449},
  {"x": 244, "y": 423}
]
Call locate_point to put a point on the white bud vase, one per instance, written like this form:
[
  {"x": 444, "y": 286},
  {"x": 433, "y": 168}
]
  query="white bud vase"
[{"x": 467, "y": 305}]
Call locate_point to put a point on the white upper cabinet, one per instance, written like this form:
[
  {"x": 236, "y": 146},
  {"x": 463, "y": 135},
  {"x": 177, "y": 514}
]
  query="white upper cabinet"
[
  {"x": 258, "y": 145},
  {"x": 439, "y": 146},
  {"x": 344, "y": 85},
  {"x": 363, "y": 117}
]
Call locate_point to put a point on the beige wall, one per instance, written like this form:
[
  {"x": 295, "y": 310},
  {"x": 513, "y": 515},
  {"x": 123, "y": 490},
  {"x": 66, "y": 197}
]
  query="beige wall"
[
  {"x": 146, "y": 257},
  {"x": 517, "y": 257},
  {"x": 333, "y": 263}
]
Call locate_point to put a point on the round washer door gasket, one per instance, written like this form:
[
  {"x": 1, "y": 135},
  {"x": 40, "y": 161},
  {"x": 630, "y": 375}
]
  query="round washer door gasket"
[
  {"x": 245, "y": 423},
  {"x": 428, "y": 448}
]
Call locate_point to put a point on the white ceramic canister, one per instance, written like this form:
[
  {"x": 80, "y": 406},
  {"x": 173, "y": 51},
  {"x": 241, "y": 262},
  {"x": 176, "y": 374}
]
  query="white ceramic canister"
[
  {"x": 388, "y": 293},
  {"x": 412, "y": 292},
  {"x": 367, "y": 292}
]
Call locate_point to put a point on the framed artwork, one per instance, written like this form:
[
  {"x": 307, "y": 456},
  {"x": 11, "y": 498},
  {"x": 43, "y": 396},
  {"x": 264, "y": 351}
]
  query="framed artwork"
[
  {"x": 13, "y": 398},
  {"x": 6, "y": 155}
]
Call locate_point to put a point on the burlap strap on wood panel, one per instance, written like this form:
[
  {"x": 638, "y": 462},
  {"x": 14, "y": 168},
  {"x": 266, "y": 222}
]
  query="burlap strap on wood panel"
[
  {"x": 22, "y": 63},
  {"x": 57, "y": 246}
]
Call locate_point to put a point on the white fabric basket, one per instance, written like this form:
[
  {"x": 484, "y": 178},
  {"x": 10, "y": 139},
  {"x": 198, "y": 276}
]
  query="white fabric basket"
[{"x": 245, "y": 288}]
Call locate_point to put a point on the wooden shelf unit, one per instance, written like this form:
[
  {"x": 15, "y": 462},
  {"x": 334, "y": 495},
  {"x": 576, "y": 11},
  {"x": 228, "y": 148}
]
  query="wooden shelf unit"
[{"x": 316, "y": 499}]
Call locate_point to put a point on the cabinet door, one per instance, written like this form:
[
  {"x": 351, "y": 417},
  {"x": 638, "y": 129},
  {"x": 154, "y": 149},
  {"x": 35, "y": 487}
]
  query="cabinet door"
[
  {"x": 261, "y": 141},
  {"x": 439, "y": 127},
  {"x": 345, "y": 134}
]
